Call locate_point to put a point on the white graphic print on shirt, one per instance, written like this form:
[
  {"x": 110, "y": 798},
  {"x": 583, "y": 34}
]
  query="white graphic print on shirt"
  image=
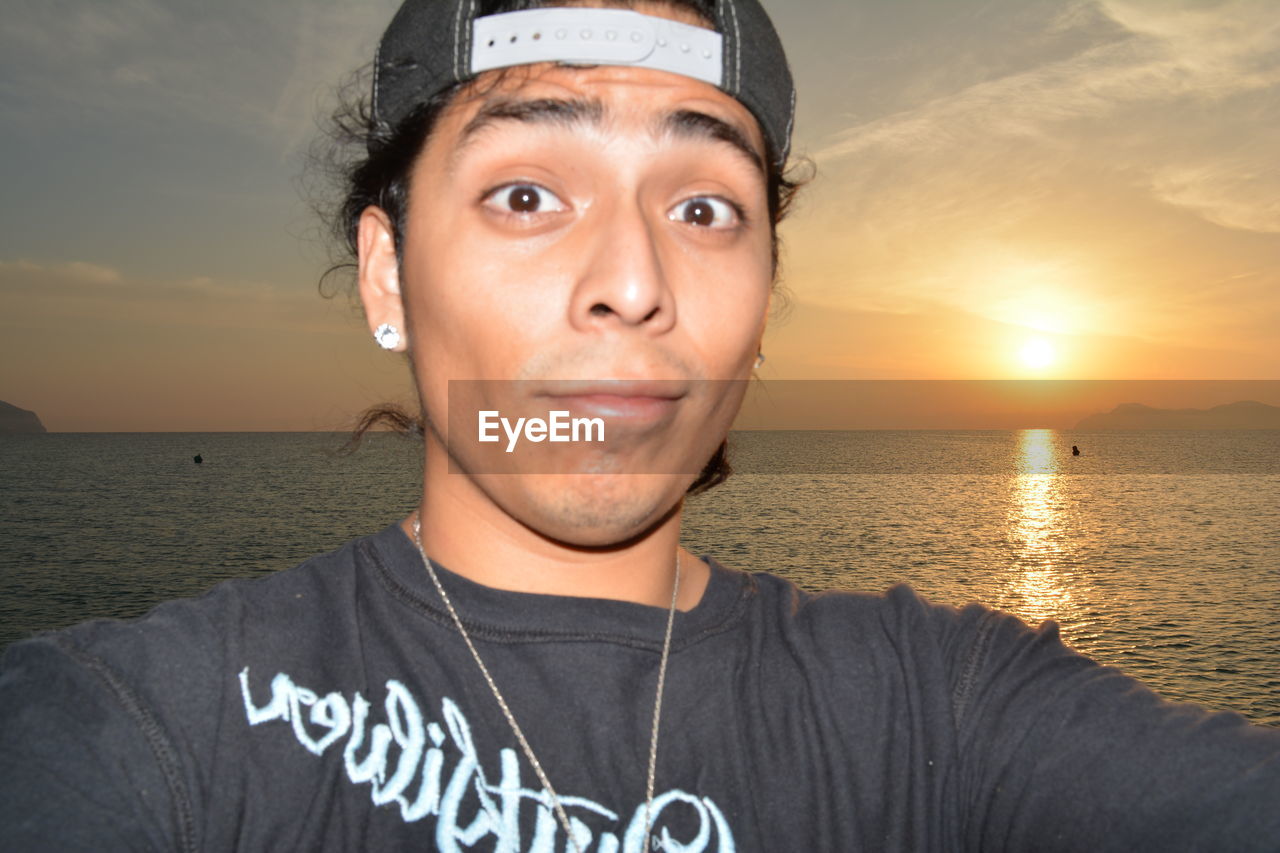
[{"x": 424, "y": 749}]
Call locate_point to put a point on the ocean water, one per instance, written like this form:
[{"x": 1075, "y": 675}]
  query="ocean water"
[{"x": 1157, "y": 552}]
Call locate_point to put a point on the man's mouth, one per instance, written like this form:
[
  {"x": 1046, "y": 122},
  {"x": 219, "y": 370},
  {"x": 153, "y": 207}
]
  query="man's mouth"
[{"x": 624, "y": 401}]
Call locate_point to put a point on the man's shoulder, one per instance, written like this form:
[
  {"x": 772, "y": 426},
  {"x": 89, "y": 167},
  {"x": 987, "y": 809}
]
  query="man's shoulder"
[
  {"x": 900, "y": 605},
  {"x": 898, "y": 620}
]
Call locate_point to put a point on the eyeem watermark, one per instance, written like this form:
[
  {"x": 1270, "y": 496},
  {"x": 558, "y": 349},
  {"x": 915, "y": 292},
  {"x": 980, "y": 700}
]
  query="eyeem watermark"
[{"x": 557, "y": 427}]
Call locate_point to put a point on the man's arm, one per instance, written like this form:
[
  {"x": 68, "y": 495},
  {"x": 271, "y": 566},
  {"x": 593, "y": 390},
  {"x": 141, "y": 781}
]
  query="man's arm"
[
  {"x": 1060, "y": 753},
  {"x": 85, "y": 766}
]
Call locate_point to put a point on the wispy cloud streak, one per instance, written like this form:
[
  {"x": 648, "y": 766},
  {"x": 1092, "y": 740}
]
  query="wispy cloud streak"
[
  {"x": 254, "y": 68},
  {"x": 1139, "y": 94}
]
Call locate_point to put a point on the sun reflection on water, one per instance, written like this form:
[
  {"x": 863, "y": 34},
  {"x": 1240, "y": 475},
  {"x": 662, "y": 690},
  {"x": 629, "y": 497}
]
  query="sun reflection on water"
[{"x": 1039, "y": 580}]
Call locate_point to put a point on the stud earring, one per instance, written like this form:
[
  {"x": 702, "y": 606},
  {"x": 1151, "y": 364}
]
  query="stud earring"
[
  {"x": 387, "y": 336},
  {"x": 759, "y": 359}
]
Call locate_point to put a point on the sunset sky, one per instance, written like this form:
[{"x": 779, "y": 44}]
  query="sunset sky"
[{"x": 1006, "y": 189}]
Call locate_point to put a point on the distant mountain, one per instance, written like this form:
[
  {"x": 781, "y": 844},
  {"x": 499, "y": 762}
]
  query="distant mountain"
[
  {"x": 13, "y": 419},
  {"x": 1246, "y": 414}
]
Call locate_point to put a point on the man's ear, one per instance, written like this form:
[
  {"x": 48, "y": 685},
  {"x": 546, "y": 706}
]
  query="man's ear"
[
  {"x": 764, "y": 321},
  {"x": 379, "y": 273}
]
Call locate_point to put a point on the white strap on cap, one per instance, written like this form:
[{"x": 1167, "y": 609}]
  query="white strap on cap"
[{"x": 596, "y": 37}]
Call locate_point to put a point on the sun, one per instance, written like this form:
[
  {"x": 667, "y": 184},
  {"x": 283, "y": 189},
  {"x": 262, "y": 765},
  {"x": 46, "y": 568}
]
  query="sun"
[{"x": 1037, "y": 353}]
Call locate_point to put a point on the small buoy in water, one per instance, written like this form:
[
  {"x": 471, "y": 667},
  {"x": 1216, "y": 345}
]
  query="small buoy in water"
[
  {"x": 1075, "y": 451},
  {"x": 197, "y": 459}
]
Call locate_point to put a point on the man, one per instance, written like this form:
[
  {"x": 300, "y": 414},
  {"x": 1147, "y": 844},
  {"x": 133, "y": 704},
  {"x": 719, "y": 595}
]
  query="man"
[{"x": 585, "y": 224}]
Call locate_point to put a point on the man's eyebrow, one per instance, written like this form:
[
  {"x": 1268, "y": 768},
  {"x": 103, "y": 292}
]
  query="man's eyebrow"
[
  {"x": 555, "y": 111},
  {"x": 691, "y": 124},
  {"x": 574, "y": 112}
]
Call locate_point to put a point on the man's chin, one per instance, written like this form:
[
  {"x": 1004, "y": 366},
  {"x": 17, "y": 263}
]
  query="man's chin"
[{"x": 588, "y": 510}]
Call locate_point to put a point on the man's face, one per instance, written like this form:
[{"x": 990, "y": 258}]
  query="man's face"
[{"x": 589, "y": 224}]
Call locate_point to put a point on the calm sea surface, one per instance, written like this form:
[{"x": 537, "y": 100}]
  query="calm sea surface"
[{"x": 1158, "y": 552}]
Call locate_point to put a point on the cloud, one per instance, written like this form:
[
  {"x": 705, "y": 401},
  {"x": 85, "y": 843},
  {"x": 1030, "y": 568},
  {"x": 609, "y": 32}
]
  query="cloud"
[
  {"x": 1165, "y": 56},
  {"x": 71, "y": 273},
  {"x": 1176, "y": 98},
  {"x": 256, "y": 68},
  {"x": 1241, "y": 192},
  {"x": 80, "y": 294}
]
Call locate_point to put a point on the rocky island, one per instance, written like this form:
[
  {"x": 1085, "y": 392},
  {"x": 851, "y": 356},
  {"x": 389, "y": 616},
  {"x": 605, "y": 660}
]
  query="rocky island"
[
  {"x": 1245, "y": 414},
  {"x": 14, "y": 419}
]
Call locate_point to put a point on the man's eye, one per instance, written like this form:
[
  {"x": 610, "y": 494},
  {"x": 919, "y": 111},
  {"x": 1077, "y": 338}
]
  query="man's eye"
[
  {"x": 706, "y": 211},
  {"x": 524, "y": 199}
]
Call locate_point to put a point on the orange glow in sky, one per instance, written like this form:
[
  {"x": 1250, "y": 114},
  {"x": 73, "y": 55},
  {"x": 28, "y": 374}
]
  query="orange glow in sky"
[{"x": 1003, "y": 190}]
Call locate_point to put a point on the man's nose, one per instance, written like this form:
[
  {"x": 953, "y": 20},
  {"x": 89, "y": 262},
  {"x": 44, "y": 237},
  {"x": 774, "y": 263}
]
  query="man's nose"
[{"x": 622, "y": 279}]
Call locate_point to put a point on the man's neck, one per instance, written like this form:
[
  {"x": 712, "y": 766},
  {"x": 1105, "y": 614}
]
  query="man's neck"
[{"x": 466, "y": 532}]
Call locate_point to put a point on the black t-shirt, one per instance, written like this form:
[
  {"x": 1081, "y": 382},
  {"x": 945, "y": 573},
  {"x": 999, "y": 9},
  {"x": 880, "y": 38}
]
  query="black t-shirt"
[{"x": 334, "y": 707}]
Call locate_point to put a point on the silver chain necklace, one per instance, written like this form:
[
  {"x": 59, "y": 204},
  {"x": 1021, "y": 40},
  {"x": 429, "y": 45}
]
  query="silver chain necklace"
[{"x": 515, "y": 727}]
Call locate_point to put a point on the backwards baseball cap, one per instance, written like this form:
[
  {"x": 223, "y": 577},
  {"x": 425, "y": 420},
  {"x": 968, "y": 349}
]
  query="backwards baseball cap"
[{"x": 432, "y": 44}]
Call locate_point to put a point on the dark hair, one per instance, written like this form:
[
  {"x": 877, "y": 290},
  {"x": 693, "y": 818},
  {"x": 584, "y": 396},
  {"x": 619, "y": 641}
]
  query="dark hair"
[{"x": 372, "y": 165}]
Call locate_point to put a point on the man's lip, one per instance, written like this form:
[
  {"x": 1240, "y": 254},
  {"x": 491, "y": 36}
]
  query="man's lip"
[
  {"x": 637, "y": 401},
  {"x": 659, "y": 389}
]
